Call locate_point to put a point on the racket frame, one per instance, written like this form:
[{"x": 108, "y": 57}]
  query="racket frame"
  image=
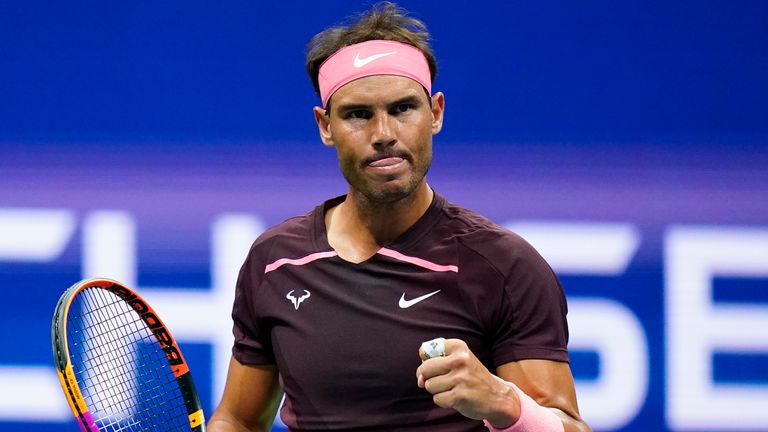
[{"x": 63, "y": 362}]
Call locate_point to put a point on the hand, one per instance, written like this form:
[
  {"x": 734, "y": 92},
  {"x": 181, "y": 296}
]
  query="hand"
[{"x": 460, "y": 381}]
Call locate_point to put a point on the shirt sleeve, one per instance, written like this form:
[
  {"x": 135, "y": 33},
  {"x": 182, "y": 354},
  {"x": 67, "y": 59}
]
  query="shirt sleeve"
[
  {"x": 252, "y": 338},
  {"x": 527, "y": 319}
]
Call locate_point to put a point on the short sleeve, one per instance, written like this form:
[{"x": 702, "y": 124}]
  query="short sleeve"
[
  {"x": 252, "y": 339},
  {"x": 527, "y": 319}
]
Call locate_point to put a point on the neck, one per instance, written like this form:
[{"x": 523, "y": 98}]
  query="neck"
[{"x": 358, "y": 228}]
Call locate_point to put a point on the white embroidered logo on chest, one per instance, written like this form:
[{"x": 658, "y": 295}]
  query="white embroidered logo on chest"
[
  {"x": 297, "y": 300},
  {"x": 404, "y": 304}
]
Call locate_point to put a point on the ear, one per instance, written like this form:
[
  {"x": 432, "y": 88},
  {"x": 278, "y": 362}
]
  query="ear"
[
  {"x": 438, "y": 109},
  {"x": 323, "y": 126}
]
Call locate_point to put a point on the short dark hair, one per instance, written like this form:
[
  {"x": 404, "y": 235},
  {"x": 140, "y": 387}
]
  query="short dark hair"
[{"x": 385, "y": 21}]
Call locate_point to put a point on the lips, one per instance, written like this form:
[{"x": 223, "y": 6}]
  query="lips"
[{"x": 386, "y": 162}]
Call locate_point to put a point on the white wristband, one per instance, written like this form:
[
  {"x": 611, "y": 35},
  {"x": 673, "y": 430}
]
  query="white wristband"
[{"x": 533, "y": 417}]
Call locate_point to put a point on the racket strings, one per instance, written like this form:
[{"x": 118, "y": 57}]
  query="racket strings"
[
  {"x": 108, "y": 356},
  {"x": 127, "y": 320},
  {"x": 124, "y": 374}
]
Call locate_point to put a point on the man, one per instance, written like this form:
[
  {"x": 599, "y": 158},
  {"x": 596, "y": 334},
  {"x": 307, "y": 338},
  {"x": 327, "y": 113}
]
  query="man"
[{"x": 332, "y": 307}]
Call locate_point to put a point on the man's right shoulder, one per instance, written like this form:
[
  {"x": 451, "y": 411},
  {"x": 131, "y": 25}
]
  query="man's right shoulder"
[
  {"x": 295, "y": 237},
  {"x": 297, "y": 229}
]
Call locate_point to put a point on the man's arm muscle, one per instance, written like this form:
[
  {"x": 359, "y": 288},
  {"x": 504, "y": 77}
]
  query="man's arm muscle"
[
  {"x": 251, "y": 398},
  {"x": 550, "y": 384}
]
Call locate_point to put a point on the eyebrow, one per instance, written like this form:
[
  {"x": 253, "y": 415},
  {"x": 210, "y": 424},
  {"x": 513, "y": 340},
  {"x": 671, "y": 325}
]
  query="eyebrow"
[{"x": 410, "y": 99}]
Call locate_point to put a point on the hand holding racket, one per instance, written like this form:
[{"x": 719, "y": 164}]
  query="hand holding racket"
[{"x": 118, "y": 364}]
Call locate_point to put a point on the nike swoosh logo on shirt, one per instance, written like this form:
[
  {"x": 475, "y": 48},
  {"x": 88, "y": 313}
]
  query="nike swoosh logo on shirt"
[
  {"x": 404, "y": 304},
  {"x": 360, "y": 62}
]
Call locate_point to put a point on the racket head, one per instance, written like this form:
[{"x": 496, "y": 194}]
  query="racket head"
[{"x": 118, "y": 365}]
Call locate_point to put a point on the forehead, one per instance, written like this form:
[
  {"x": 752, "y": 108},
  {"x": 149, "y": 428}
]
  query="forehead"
[{"x": 377, "y": 88}]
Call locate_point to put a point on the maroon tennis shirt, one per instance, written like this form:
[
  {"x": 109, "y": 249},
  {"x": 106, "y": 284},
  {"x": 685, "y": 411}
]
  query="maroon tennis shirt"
[{"x": 345, "y": 337}]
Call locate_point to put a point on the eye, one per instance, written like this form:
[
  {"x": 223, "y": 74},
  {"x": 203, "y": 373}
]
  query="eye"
[
  {"x": 358, "y": 114},
  {"x": 402, "y": 108}
]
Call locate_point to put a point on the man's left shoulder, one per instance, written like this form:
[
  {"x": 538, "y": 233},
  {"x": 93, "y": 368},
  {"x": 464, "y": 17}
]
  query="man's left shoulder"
[
  {"x": 487, "y": 238},
  {"x": 471, "y": 226}
]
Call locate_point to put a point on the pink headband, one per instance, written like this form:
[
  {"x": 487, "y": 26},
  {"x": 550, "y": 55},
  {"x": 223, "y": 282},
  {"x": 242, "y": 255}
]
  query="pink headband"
[{"x": 374, "y": 57}]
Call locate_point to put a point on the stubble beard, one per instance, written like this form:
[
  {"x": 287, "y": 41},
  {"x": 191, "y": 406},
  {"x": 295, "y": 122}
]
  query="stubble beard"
[{"x": 376, "y": 193}]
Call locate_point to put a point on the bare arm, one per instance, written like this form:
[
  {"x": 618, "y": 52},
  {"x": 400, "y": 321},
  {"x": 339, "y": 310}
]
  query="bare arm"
[
  {"x": 550, "y": 384},
  {"x": 250, "y": 401}
]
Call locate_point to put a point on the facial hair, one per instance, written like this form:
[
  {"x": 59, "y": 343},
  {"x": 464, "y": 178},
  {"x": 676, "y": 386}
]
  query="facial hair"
[{"x": 377, "y": 192}]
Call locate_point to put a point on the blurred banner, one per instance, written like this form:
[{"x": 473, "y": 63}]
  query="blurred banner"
[{"x": 628, "y": 142}]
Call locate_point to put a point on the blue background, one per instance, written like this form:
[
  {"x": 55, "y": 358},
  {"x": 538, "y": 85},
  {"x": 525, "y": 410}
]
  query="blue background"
[{"x": 647, "y": 113}]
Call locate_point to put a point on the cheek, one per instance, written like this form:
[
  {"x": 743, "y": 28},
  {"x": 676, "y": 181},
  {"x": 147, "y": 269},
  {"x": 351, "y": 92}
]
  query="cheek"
[
  {"x": 347, "y": 158},
  {"x": 347, "y": 139},
  {"x": 350, "y": 142},
  {"x": 424, "y": 141}
]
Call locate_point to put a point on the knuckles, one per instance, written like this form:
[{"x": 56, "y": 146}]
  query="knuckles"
[
  {"x": 444, "y": 400},
  {"x": 464, "y": 357},
  {"x": 451, "y": 399}
]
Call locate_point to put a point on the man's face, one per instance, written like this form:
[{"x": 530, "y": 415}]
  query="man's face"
[{"x": 382, "y": 129}]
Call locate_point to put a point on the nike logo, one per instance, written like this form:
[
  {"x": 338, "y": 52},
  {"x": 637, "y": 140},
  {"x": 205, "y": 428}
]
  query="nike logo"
[
  {"x": 404, "y": 304},
  {"x": 360, "y": 62}
]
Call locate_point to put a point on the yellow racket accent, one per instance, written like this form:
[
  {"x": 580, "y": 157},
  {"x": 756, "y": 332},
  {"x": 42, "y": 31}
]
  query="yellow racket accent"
[
  {"x": 69, "y": 375},
  {"x": 64, "y": 387},
  {"x": 196, "y": 418}
]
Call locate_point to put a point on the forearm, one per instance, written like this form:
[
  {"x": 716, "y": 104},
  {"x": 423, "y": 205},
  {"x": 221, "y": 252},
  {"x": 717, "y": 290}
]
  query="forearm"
[
  {"x": 521, "y": 413},
  {"x": 570, "y": 423},
  {"x": 550, "y": 385},
  {"x": 250, "y": 400},
  {"x": 220, "y": 423}
]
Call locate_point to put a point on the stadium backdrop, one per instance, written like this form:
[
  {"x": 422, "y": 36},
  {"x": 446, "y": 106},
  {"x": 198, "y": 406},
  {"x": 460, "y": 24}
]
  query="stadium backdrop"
[{"x": 151, "y": 142}]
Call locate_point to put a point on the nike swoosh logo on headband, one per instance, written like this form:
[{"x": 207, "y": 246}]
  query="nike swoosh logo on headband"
[{"x": 360, "y": 62}]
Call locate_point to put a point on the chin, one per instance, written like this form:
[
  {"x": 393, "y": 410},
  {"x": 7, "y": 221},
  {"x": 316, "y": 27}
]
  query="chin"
[
  {"x": 384, "y": 191},
  {"x": 381, "y": 196},
  {"x": 389, "y": 193}
]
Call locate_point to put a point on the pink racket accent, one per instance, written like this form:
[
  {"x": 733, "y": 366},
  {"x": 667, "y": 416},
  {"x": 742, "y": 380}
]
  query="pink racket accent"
[{"x": 87, "y": 423}]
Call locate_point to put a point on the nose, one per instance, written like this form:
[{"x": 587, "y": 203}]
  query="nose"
[{"x": 383, "y": 131}]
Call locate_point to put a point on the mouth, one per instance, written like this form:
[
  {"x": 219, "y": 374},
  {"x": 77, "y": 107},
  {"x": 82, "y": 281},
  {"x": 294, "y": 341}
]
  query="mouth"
[
  {"x": 385, "y": 164},
  {"x": 384, "y": 160}
]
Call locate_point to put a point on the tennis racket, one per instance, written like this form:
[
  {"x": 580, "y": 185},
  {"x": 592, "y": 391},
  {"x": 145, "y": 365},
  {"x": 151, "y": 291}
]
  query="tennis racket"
[{"x": 119, "y": 366}]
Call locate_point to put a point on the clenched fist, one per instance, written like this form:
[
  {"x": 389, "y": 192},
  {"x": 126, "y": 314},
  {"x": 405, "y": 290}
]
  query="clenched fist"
[{"x": 460, "y": 381}]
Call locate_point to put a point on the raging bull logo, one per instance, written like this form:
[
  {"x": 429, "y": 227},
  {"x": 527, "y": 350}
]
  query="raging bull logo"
[{"x": 297, "y": 300}]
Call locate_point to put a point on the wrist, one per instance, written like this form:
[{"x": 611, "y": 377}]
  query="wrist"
[
  {"x": 531, "y": 417},
  {"x": 508, "y": 407}
]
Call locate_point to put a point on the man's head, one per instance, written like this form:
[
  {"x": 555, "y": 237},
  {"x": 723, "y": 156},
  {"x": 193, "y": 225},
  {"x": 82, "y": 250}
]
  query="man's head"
[
  {"x": 384, "y": 115},
  {"x": 385, "y": 21}
]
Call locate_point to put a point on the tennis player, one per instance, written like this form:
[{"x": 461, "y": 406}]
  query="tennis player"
[{"x": 390, "y": 308}]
